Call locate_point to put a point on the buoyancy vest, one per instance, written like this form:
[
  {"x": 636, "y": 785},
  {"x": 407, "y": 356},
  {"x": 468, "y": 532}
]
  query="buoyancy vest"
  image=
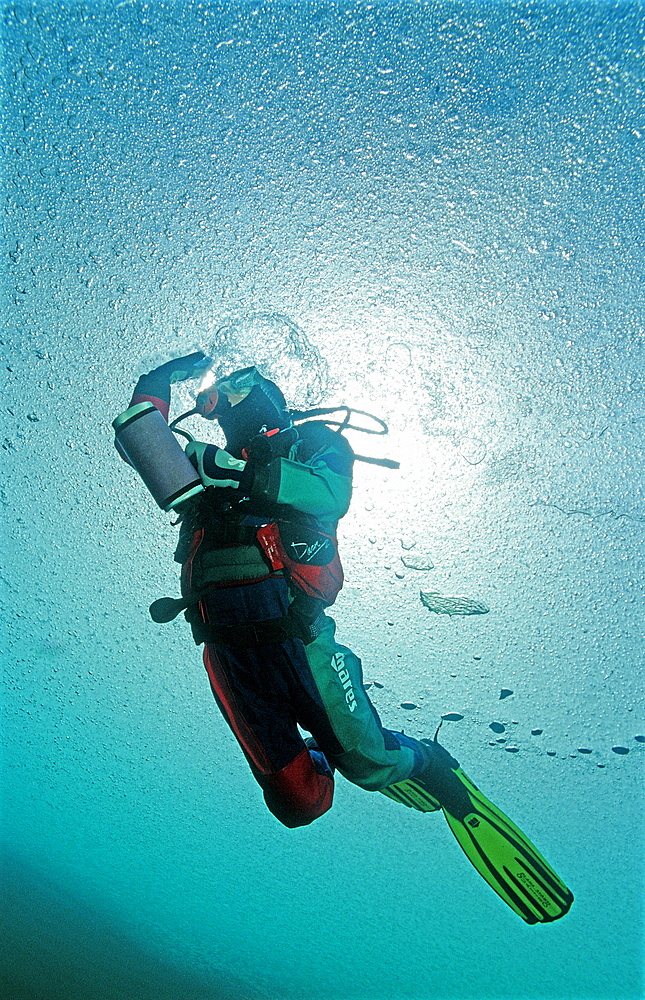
[
  {"x": 246, "y": 554},
  {"x": 230, "y": 549},
  {"x": 223, "y": 546},
  {"x": 308, "y": 556},
  {"x": 240, "y": 554}
]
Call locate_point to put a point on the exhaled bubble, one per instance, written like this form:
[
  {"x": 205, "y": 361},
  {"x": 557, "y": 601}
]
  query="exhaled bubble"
[
  {"x": 398, "y": 357},
  {"x": 279, "y": 349},
  {"x": 472, "y": 450},
  {"x": 419, "y": 559}
]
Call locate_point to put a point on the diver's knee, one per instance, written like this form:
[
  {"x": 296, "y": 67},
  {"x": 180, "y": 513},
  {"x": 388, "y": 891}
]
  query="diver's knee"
[
  {"x": 298, "y": 810},
  {"x": 298, "y": 794},
  {"x": 294, "y": 817}
]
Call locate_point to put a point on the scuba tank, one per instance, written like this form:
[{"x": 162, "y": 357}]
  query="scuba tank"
[{"x": 146, "y": 441}]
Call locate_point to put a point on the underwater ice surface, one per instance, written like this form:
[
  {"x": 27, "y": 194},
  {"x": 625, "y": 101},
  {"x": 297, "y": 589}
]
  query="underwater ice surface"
[{"x": 433, "y": 211}]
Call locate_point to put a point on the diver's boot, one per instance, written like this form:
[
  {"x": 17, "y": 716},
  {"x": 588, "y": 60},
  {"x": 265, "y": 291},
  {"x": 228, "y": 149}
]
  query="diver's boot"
[
  {"x": 320, "y": 762},
  {"x": 433, "y": 777},
  {"x": 440, "y": 777},
  {"x": 497, "y": 848},
  {"x": 434, "y": 785}
]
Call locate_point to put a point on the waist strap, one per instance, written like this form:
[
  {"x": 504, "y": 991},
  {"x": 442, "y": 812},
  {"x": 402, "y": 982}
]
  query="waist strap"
[{"x": 253, "y": 634}]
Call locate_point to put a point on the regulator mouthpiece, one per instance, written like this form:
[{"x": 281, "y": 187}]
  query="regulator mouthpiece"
[{"x": 206, "y": 402}]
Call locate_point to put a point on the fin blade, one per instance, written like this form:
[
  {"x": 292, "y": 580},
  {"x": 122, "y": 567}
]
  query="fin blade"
[{"x": 508, "y": 861}]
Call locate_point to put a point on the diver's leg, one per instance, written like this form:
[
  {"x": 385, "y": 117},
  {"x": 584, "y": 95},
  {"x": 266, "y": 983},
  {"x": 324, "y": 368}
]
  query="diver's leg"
[
  {"x": 423, "y": 775},
  {"x": 297, "y": 786},
  {"x": 363, "y": 751},
  {"x": 254, "y": 688}
]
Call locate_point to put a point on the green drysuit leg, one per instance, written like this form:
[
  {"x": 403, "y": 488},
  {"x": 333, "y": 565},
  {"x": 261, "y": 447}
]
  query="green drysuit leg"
[{"x": 371, "y": 756}]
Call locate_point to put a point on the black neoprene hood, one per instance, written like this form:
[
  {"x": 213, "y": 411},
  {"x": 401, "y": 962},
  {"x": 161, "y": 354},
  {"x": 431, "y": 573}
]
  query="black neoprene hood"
[{"x": 264, "y": 409}]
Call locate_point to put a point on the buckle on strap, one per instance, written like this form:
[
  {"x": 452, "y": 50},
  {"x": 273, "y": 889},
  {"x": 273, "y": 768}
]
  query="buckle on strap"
[{"x": 251, "y": 635}]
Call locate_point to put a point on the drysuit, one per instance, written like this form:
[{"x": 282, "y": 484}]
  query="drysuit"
[{"x": 270, "y": 651}]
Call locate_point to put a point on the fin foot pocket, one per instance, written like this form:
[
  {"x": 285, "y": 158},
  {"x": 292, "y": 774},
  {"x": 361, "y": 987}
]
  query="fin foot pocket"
[{"x": 412, "y": 794}]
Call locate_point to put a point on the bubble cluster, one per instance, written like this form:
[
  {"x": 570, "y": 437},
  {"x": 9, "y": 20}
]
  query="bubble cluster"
[{"x": 279, "y": 349}]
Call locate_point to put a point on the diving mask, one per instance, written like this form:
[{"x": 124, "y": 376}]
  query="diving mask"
[{"x": 215, "y": 398}]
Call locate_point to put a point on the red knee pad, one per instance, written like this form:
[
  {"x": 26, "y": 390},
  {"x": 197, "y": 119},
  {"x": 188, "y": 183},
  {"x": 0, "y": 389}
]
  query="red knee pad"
[{"x": 297, "y": 795}]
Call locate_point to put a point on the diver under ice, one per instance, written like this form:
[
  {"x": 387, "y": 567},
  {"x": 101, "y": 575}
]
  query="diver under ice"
[{"x": 259, "y": 569}]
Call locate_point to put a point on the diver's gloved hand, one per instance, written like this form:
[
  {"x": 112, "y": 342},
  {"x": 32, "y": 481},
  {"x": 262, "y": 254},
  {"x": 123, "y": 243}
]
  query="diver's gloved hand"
[
  {"x": 217, "y": 467},
  {"x": 155, "y": 385}
]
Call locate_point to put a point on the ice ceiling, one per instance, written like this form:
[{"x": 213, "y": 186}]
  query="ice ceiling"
[{"x": 432, "y": 212}]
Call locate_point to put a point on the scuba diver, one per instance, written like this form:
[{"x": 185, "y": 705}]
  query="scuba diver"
[{"x": 259, "y": 569}]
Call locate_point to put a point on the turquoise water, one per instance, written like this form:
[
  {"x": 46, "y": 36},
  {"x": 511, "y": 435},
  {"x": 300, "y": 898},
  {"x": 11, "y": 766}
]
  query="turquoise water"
[{"x": 431, "y": 211}]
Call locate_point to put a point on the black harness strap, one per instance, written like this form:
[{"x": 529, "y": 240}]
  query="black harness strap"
[
  {"x": 304, "y": 620},
  {"x": 246, "y": 635}
]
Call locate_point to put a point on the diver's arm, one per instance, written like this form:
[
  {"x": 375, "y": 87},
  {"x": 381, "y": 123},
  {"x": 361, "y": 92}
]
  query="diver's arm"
[
  {"x": 154, "y": 387},
  {"x": 320, "y": 484},
  {"x": 313, "y": 489}
]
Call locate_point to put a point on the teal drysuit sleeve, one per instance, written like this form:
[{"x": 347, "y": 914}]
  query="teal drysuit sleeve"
[{"x": 320, "y": 485}]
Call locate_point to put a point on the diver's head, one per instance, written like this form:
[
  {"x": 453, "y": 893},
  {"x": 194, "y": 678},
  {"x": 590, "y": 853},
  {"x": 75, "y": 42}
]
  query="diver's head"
[{"x": 246, "y": 404}]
